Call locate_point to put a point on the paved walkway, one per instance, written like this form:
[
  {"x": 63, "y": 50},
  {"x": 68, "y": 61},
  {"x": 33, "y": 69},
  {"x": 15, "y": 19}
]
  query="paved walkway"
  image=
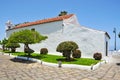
[{"x": 11, "y": 69}]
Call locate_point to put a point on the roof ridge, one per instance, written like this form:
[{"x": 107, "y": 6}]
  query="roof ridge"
[{"x": 58, "y": 18}]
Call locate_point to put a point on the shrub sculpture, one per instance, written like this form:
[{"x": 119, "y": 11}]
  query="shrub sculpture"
[
  {"x": 44, "y": 51},
  {"x": 26, "y": 37},
  {"x": 97, "y": 56},
  {"x": 66, "y": 48},
  {"x": 76, "y": 54},
  {"x": 13, "y": 46}
]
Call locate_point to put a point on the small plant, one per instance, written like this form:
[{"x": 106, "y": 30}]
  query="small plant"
[
  {"x": 97, "y": 56},
  {"x": 76, "y": 54},
  {"x": 44, "y": 51}
]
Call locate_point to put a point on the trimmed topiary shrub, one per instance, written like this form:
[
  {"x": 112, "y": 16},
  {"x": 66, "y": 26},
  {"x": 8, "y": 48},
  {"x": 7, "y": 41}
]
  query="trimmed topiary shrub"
[
  {"x": 12, "y": 46},
  {"x": 97, "y": 56},
  {"x": 76, "y": 54},
  {"x": 43, "y": 51},
  {"x": 66, "y": 48}
]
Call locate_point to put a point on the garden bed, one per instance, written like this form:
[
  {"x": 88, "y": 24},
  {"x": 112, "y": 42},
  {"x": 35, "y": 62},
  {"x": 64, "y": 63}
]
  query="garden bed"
[{"x": 52, "y": 60}]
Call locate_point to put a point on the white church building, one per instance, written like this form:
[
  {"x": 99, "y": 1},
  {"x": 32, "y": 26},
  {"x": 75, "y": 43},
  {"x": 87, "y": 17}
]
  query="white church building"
[{"x": 64, "y": 28}]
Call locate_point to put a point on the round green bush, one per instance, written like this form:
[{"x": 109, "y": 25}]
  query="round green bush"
[
  {"x": 66, "y": 48},
  {"x": 44, "y": 51},
  {"x": 97, "y": 56},
  {"x": 76, "y": 54}
]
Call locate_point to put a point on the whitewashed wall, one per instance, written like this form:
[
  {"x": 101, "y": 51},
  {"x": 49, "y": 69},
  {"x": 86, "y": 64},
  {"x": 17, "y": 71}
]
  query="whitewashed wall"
[{"x": 89, "y": 41}]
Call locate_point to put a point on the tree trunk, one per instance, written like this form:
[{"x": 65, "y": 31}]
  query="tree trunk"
[
  {"x": 64, "y": 54},
  {"x": 26, "y": 50},
  {"x": 3, "y": 47},
  {"x": 26, "y": 47},
  {"x": 13, "y": 49},
  {"x": 68, "y": 55}
]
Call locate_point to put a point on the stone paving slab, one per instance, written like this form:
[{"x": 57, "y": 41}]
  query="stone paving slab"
[{"x": 23, "y": 70}]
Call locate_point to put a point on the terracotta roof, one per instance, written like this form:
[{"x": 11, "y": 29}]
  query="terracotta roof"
[{"x": 59, "y": 18}]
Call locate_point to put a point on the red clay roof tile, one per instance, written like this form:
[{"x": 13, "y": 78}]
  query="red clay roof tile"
[{"x": 59, "y": 18}]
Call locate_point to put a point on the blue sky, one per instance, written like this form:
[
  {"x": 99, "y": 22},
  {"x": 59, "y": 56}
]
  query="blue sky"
[{"x": 97, "y": 14}]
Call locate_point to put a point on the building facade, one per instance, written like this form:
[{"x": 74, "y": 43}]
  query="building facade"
[{"x": 65, "y": 28}]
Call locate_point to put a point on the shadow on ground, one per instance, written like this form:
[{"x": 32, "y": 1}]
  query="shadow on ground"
[{"x": 22, "y": 60}]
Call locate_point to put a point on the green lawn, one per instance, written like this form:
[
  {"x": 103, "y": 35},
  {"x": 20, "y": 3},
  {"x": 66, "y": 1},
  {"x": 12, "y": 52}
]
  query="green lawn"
[{"x": 55, "y": 59}]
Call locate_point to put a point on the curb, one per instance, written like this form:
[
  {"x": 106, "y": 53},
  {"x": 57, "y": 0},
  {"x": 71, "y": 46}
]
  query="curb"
[{"x": 60, "y": 65}]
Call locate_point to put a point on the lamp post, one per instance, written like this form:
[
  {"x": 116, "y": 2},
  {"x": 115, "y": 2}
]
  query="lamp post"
[
  {"x": 114, "y": 31},
  {"x": 119, "y": 35}
]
